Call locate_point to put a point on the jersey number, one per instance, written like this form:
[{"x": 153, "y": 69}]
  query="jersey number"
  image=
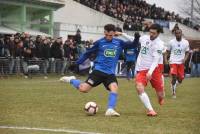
[{"x": 144, "y": 50}]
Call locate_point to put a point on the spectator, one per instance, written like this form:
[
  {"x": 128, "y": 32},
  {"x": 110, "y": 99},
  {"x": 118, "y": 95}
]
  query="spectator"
[
  {"x": 195, "y": 66},
  {"x": 56, "y": 55},
  {"x": 4, "y": 53},
  {"x": 19, "y": 54},
  {"x": 11, "y": 47},
  {"x": 45, "y": 55},
  {"x": 28, "y": 54}
]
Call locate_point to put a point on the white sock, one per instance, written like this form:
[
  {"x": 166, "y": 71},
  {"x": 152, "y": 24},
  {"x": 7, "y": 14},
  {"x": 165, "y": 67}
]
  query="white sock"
[
  {"x": 177, "y": 83},
  {"x": 145, "y": 100},
  {"x": 174, "y": 89}
]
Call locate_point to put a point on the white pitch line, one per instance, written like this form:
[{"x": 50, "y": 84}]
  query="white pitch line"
[{"x": 47, "y": 129}]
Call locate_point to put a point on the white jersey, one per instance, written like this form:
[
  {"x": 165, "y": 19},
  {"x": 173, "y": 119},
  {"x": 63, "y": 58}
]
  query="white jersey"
[
  {"x": 150, "y": 50},
  {"x": 177, "y": 49},
  {"x": 161, "y": 58}
]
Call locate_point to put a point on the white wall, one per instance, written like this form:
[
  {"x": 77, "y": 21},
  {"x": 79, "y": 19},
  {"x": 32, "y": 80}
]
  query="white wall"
[{"x": 87, "y": 32}]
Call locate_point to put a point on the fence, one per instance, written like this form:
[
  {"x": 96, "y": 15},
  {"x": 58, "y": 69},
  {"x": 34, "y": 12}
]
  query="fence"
[
  {"x": 41, "y": 66},
  {"x": 9, "y": 66}
]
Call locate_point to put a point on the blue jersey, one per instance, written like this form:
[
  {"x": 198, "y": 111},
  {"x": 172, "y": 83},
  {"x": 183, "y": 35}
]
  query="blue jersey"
[
  {"x": 130, "y": 54},
  {"x": 107, "y": 54}
]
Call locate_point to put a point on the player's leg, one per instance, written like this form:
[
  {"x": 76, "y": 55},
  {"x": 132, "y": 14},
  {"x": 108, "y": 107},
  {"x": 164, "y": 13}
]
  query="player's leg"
[
  {"x": 158, "y": 84},
  {"x": 82, "y": 87},
  {"x": 133, "y": 69},
  {"x": 141, "y": 83},
  {"x": 111, "y": 84},
  {"x": 173, "y": 85},
  {"x": 181, "y": 73},
  {"x": 92, "y": 81},
  {"x": 173, "y": 72},
  {"x": 128, "y": 65}
]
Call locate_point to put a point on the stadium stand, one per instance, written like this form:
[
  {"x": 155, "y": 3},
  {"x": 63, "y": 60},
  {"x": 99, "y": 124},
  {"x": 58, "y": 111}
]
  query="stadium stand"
[{"x": 133, "y": 12}]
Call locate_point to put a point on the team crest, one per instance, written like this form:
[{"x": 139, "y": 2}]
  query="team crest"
[{"x": 159, "y": 51}]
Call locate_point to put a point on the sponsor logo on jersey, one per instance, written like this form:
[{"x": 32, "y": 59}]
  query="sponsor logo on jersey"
[
  {"x": 110, "y": 52},
  {"x": 177, "y": 52},
  {"x": 130, "y": 52}
]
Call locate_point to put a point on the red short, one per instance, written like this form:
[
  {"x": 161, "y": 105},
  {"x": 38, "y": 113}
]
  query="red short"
[
  {"x": 178, "y": 70},
  {"x": 156, "y": 80},
  {"x": 161, "y": 67}
]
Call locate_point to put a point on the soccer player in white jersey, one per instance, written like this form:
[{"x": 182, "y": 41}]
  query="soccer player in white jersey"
[
  {"x": 147, "y": 67},
  {"x": 179, "y": 52}
]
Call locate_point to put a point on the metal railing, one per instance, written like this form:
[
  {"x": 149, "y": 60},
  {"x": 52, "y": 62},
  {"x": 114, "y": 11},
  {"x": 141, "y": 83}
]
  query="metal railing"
[{"x": 29, "y": 66}]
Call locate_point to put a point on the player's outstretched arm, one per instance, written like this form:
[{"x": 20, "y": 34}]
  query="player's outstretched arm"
[
  {"x": 128, "y": 37},
  {"x": 88, "y": 53},
  {"x": 156, "y": 56}
]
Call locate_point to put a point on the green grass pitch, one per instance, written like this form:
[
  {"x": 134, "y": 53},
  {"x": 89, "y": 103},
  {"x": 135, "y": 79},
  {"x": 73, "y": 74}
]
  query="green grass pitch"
[{"x": 41, "y": 103}]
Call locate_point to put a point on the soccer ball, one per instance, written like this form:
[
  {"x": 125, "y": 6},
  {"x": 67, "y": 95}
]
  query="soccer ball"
[{"x": 91, "y": 108}]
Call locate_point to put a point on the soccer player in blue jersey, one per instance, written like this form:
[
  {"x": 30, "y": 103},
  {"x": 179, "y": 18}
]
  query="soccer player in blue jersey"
[
  {"x": 131, "y": 57},
  {"x": 107, "y": 51}
]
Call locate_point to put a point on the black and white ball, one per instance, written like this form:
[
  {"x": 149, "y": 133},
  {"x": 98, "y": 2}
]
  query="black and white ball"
[{"x": 91, "y": 108}]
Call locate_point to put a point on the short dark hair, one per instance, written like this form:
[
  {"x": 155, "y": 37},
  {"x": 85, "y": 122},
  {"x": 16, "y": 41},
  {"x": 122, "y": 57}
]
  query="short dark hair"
[
  {"x": 156, "y": 27},
  {"x": 178, "y": 30},
  {"x": 109, "y": 27}
]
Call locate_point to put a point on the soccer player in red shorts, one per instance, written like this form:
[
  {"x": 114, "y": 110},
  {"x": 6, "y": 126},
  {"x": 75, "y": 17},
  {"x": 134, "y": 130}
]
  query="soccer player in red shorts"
[
  {"x": 147, "y": 68},
  {"x": 179, "y": 52}
]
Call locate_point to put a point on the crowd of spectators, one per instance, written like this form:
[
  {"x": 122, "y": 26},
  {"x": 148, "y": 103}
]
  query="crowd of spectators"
[
  {"x": 53, "y": 55},
  {"x": 18, "y": 51},
  {"x": 133, "y": 12}
]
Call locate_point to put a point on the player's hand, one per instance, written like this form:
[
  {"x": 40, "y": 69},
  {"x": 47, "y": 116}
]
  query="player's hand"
[
  {"x": 166, "y": 62},
  {"x": 148, "y": 75},
  {"x": 118, "y": 33}
]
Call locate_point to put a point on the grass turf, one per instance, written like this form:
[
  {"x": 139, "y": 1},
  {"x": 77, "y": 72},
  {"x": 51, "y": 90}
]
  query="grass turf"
[{"x": 49, "y": 104}]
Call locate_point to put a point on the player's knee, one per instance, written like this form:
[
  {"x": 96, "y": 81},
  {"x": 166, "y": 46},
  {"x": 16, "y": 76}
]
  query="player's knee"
[
  {"x": 140, "y": 88},
  {"x": 180, "y": 81},
  {"x": 113, "y": 87},
  {"x": 83, "y": 88}
]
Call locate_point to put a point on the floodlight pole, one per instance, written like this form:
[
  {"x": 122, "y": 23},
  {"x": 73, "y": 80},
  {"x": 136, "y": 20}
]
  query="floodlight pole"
[{"x": 192, "y": 9}]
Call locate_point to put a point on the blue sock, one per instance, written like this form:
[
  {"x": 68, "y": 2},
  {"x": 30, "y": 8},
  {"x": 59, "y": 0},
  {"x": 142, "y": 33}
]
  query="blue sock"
[
  {"x": 130, "y": 74},
  {"x": 112, "y": 100},
  {"x": 75, "y": 83}
]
